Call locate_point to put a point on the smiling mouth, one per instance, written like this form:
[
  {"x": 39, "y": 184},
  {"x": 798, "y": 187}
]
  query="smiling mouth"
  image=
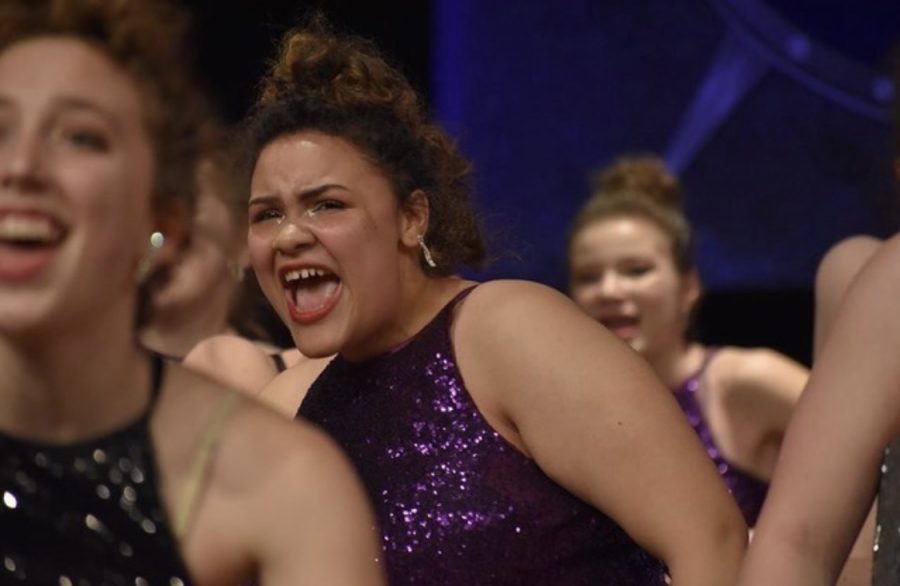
[
  {"x": 312, "y": 292},
  {"x": 29, "y": 241},
  {"x": 29, "y": 231},
  {"x": 622, "y": 326}
]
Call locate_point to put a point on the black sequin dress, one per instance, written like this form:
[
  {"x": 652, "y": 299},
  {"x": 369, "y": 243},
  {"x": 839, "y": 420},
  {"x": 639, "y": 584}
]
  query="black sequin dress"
[
  {"x": 87, "y": 514},
  {"x": 886, "y": 547}
]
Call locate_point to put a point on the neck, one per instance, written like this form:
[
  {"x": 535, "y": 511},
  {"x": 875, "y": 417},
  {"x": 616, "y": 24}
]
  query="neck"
[
  {"x": 420, "y": 298},
  {"x": 175, "y": 332},
  {"x": 77, "y": 383},
  {"x": 677, "y": 363}
]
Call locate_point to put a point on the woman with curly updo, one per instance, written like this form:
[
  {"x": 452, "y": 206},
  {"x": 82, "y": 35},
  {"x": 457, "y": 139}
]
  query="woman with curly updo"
[
  {"x": 631, "y": 268},
  {"x": 115, "y": 467},
  {"x": 504, "y": 437}
]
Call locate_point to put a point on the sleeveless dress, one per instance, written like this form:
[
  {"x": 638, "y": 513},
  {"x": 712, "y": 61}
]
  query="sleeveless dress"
[
  {"x": 91, "y": 513},
  {"x": 457, "y": 504},
  {"x": 886, "y": 547},
  {"x": 748, "y": 491}
]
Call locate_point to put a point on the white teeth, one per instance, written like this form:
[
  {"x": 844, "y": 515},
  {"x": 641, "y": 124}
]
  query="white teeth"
[
  {"x": 304, "y": 274},
  {"x": 33, "y": 228}
]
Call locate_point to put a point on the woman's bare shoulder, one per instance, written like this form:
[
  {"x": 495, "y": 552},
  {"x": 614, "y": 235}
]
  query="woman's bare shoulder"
[{"x": 233, "y": 361}]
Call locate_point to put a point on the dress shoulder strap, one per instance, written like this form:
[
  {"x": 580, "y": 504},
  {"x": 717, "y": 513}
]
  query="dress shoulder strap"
[
  {"x": 199, "y": 468},
  {"x": 278, "y": 361},
  {"x": 708, "y": 356}
]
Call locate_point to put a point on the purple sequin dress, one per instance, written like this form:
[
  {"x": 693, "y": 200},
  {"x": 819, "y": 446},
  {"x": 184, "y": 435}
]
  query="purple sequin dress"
[
  {"x": 748, "y": 491},
  {"x": 457, "y": 504}
]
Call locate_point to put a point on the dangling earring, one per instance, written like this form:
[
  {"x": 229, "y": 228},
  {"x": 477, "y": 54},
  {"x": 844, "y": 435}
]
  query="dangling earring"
[
  {"x": 429, "y": 260},
  {"x": 145, "y": 265}
]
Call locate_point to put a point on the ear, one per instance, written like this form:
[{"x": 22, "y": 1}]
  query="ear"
[
  {"x": 691, "y": 290},
  {"x": 174, "y": 221},
  {"x": 414, "y": 218}
]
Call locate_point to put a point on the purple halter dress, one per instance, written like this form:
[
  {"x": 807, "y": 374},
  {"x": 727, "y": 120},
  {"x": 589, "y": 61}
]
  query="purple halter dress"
[
  {"x": 748, "y": 491},
  {"x": 456, "y": 503}
]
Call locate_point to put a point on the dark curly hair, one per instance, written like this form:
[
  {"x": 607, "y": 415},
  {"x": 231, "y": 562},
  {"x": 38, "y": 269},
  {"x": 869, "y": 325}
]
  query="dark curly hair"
[
  {"x": 640, "y": 186},
  {"x": 341, "y": 85},
  {"x": 146, "y": 39}
]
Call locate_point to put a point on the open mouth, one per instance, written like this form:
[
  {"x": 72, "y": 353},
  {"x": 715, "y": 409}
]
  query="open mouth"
[
  {"x": 625, "y": 327},
  {"x": 28, "y": 243},
  {"x": 29, "y": 230},
  {"x": 312, "y": 292}
]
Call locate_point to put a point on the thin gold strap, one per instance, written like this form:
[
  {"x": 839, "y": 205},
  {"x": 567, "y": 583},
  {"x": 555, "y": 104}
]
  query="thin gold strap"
[{"x": 202, "y": 459}]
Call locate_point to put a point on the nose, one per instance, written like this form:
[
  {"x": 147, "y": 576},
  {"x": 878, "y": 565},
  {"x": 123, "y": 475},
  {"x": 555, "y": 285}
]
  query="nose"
[
  {"x": 292, "y": 237},
  {"x": 20, "y": 163},
  {"x": 610, "y": 286}
]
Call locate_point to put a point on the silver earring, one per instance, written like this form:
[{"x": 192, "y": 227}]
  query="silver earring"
[
  {"x": 429, "y": 260},
  {"x": 145, "y": 265}
]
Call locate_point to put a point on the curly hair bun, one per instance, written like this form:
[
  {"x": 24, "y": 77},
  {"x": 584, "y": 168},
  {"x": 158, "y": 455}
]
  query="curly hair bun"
[
  {"x": 645, "y": 175},
  {"x": 348, "y": 71}
]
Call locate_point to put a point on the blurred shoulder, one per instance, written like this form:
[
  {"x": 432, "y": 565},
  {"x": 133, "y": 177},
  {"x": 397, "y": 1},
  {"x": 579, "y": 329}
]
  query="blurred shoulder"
[
  {"x": 223, "y": 347},
  {"x": 880, "y": 274},
  {"x": 234, "y": 361},
  {"x": 843, "y": 260},
  {"x": 752, "y": 373},
  {"x": 254, "y": 442},
  {"x": 747, "y": 363}
]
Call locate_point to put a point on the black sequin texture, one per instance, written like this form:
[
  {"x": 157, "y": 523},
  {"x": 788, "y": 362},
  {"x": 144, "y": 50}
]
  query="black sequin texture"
[{"x": 87, "y": 514}]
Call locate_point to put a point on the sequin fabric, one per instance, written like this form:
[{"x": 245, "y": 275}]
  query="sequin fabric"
[
  {"x": 748, "y": 491},
  {"x": 457, "y": 504},
  {"x": 886, "y": 545},
  {"x": 86, "y": 514}
]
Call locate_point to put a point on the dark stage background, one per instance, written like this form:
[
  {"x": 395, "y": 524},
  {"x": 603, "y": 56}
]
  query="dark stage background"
[{"x": 775, "y": 113}]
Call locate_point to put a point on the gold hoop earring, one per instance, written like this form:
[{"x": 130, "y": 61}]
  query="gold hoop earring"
[
  {"x": 429, "y": 260},
  {"x": 147, "y": 262}
]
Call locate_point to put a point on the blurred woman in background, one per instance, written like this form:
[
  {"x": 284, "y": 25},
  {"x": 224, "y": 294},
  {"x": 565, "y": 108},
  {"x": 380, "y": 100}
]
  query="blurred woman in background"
[{"x": 631, "y": 268}]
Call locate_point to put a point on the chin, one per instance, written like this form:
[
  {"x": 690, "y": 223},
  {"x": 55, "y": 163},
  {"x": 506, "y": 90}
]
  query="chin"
[{"x": 311, "y": 348}]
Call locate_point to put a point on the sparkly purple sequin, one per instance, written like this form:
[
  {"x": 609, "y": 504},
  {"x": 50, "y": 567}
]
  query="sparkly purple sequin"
[
  {"x": 457, "y": 504},
  {"x": 748, "y": 492}
]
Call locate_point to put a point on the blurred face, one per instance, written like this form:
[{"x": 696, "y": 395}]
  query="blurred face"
[
  {"x": 209, "y": 262},
  {"x": 76, "y": 173},
  {"x": 330, "y": 245},
  {"x": 623, "y": 275}
]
